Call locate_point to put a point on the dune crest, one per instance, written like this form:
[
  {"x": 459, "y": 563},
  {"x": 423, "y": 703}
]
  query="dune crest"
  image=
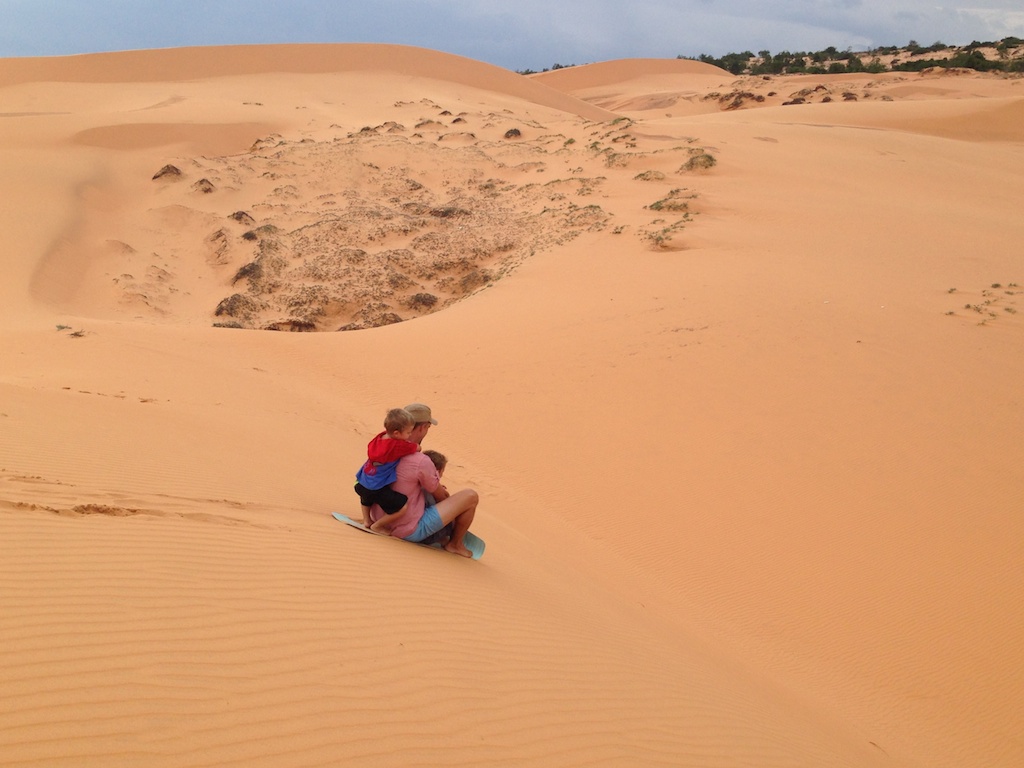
[
  {"x": 171, "y": 64},
  {"x": 622, "y": 70}
]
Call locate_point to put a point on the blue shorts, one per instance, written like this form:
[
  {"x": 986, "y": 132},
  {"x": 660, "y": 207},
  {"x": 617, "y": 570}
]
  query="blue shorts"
[{"x": 428, "y": 525}]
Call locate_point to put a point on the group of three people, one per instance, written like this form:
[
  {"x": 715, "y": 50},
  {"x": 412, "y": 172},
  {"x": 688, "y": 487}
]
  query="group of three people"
[{"x": 400, "y": 489}]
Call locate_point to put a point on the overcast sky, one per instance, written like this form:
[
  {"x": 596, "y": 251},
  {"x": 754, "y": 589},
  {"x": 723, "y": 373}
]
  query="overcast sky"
[{"x": 517, "y": 34}]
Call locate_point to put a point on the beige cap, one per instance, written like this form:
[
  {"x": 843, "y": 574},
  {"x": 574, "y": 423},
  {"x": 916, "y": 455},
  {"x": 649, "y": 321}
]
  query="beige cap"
[{"x": 420, "y": 413}]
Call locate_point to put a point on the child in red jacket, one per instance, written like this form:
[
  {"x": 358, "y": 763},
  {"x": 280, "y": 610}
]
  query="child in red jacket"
[{"x": 374, "y": 478}]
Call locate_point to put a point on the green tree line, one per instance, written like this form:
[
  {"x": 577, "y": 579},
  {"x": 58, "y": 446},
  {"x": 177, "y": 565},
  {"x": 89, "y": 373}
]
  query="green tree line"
[{"x": 831, "y": 61}]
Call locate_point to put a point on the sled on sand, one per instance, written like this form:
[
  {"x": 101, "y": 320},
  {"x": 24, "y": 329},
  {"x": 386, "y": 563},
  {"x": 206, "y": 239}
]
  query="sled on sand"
[{"x": 473, "y": 542}]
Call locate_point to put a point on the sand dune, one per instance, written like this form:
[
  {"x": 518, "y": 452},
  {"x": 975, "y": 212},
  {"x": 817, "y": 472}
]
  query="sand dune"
[
  {"x": 738, "y": 383},
  {"x": 247, "y": 61},
  {"x": 678, "y": 88}
]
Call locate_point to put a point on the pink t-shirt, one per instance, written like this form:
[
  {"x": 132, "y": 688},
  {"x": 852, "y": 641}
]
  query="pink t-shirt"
[{"x": 416, "y": 473}]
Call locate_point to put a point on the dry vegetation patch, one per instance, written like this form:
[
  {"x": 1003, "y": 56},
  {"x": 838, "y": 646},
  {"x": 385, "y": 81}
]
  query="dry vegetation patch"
[
  {"x": 407, "y": 240},
  {"x": 996, "y": 302},
  {"x": 345, "y": 230}
]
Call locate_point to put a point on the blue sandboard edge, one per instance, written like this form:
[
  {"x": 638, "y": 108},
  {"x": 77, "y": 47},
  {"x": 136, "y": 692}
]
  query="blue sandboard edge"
[{"x": 473, "y": 543}]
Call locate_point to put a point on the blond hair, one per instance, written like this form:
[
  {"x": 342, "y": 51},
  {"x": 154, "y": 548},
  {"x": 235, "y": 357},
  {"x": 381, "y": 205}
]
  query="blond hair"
[{"x": 398, "y": 419}]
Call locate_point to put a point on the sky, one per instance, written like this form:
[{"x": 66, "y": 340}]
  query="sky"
[{"x": 515, "y": 34}]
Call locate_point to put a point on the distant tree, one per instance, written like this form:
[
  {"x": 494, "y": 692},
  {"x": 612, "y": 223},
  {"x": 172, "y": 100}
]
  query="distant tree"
[
  {"x": 736, "y": 63},
  {"x": 974, "y": 59},
  {"x": 832, "y": 61},
  {"x": 764, "y": 66},
  {"x": 797, "y": 64},
  {"x": 964, "y": 59},
  {"x": 916, "y": 66}
]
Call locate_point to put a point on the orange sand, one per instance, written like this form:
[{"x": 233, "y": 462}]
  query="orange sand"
[{"x": 748, "y": 436}]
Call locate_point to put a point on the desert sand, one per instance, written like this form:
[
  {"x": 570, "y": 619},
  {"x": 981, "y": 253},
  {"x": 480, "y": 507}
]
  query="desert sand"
[{"x": 738, "y": 381}]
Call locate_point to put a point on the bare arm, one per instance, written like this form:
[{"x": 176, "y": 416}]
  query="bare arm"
[
  {"x": 387, "y": 522},
  {"x": 440, "y": 493}
]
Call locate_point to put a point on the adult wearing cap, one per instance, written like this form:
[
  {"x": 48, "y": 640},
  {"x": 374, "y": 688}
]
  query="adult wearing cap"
[{"x": 416, "y": 475}]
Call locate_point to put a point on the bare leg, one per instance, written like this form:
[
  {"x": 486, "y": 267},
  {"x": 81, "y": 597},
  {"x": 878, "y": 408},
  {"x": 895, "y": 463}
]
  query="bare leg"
[
  {"x": 460, "y": 509},
  {"x": 457, "y": 543},
  {"x": 366, "y": 517}
]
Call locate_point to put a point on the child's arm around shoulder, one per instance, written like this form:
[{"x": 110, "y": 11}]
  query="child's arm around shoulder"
[{"x": 406, "y": 447}]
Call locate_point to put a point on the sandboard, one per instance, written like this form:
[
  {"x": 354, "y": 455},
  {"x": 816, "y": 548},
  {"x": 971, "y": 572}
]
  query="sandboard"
[{"x": 473, "y": 542}]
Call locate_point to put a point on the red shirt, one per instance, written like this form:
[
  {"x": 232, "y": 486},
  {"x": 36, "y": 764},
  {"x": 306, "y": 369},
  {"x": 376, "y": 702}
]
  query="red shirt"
[{"x": 383, "y": 450}]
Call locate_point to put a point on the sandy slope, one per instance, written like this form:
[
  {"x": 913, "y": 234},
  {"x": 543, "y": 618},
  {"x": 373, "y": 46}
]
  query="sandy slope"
[{"x": 747, "y": 435}]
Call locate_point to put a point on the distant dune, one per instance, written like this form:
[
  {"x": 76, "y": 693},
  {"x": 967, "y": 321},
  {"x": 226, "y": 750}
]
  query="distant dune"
[
  {"x": 169, "y": 65},
  {"x": 733, "y": 362},
  {"x": 622, "y": 70}
]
